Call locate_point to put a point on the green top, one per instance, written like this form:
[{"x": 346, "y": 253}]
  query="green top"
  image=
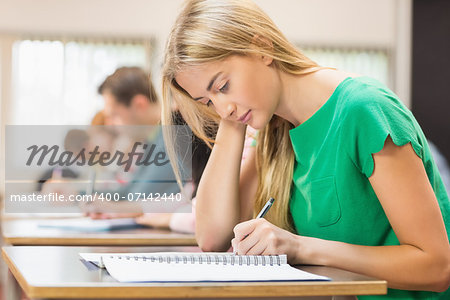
[{"x": 332, "y": 197}]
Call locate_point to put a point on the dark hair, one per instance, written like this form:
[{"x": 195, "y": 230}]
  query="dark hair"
[
  {"x": 127, "y": 82},
  {"x": 200, "y": 152}
]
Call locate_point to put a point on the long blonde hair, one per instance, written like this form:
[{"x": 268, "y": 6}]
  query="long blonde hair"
[{"x": 212, "y": 30}]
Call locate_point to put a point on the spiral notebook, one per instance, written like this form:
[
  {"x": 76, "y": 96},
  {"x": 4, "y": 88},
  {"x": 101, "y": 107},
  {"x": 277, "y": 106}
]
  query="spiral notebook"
[{"x": 194, "y": 267}]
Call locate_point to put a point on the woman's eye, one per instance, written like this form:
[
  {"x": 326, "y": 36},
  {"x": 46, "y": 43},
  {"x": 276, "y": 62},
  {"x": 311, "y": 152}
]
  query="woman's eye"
[{"x": 224, "y": 88}]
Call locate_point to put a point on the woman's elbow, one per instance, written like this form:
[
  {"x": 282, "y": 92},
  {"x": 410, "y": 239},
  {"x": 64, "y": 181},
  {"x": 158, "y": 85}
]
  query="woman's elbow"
[
  {"x": 441, "y": 281},
  {"x": 211, "y": 240},
  {"x": 443, "y": 284},
  {"x": 212, "y": 244}
]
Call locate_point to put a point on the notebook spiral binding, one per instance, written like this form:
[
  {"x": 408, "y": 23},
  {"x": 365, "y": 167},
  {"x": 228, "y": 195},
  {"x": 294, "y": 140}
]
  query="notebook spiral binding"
[{"x": 249, "y": 260}]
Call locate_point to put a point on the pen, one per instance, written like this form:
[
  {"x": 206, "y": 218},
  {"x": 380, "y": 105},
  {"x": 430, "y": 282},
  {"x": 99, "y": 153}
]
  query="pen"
[
  {"x": 261, "y": 214},
  {"x": 90, "y": 189},
  {"x": 265, "y": 209}
]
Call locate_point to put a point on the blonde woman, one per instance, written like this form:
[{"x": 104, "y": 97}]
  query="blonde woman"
[{"x": 350, "y": 169}]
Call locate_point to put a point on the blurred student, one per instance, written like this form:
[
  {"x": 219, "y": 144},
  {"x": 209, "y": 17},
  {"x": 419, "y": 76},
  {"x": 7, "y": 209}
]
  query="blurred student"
[
  {"x": 132, "y": 111},
  {"x": 183, "y": 219},
  {"x": 58, "y": 179},
  {"x": 131, "y": 103}
]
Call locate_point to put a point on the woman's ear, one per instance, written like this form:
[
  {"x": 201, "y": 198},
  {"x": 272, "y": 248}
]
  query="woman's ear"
[
  {"x": 267, "y": 60},
  {"x": 261, "y": 42}
]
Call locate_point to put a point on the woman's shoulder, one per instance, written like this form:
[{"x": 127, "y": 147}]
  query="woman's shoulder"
[
  {"x": 363, "y": 95},
  {"x": 369, "y": 108}
]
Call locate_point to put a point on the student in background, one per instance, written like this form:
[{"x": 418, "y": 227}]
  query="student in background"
[
  {"x": 131, "y": 100},
  {"x": 131, "y": 109},
  {"x": 347, "y": 163},
  {"x": 181, "y": 220},
  {"x": 106, "y": 138},
  {"x": 58, "y": 179}
]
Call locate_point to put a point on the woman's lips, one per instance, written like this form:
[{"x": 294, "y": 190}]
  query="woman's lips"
[{"x": 245, "y": 117}]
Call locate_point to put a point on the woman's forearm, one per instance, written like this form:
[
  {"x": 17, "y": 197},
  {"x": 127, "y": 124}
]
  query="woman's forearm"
[
  {"x": 218, "y": 206},
  {"x": 403, "y": 266}
]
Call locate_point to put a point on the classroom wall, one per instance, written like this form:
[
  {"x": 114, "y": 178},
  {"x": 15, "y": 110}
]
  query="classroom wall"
[
  {"x": 344, "y": 21},
  {"x": 363, "y": 23}
]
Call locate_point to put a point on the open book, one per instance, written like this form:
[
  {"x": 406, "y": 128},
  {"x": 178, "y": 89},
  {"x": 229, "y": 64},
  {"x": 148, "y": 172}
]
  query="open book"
[{"x": 192, "y": 267}]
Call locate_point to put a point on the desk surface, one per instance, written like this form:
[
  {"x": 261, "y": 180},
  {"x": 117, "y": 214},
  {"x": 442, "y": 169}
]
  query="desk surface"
[
  {"x": 23, "y": 231},
  {"x": 58, "y": 272}
]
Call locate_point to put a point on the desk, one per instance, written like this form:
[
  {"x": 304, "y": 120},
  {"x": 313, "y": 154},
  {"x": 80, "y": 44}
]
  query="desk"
[
  {"x": 22, "y": 231},
  {"x": 58, "y": 272}
]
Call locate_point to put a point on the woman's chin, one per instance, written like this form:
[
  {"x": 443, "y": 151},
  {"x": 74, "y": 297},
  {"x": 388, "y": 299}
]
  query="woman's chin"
[{"x": 257, "y": 125}]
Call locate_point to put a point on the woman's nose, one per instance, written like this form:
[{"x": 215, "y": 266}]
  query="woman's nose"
[{"x": 225, "y": 109}]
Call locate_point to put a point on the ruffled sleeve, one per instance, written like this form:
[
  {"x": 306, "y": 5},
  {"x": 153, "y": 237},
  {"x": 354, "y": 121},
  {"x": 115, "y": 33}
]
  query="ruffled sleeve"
[{"x": 369, "y": 121}]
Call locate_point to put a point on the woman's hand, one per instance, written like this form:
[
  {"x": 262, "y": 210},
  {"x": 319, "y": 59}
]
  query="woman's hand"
[
  {"x": 260, "y": 237},
  {"x": 156, "y": 220},
  {"x": 60, "y": 186}
]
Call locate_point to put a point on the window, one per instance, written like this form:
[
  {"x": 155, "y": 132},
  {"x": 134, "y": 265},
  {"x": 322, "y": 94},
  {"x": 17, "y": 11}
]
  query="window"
[
  {"x": 55, "y": 82},
  {"x": 369, "y": 62}
]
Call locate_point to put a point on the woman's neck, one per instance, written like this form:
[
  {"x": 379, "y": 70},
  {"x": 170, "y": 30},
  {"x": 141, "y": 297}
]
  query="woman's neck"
[{"x": 301, "y": 96}]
